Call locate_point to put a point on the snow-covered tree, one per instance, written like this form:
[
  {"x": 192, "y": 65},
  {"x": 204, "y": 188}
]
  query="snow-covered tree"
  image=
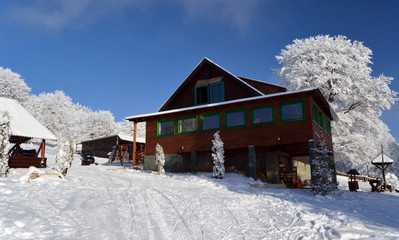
[
  {"x": 126, "y": 128},
  {"x": 53, "y": 110},
  {"x": 218, "y": 156},
  {"x": 4, "y": 143},
  {"x": 159, "y": 159},
  {"x": 340, "y": 68},
  {"x": 64, "y": 157},
  {"x": 13, "y": 86},
  {"x": 322, "y": 176}
]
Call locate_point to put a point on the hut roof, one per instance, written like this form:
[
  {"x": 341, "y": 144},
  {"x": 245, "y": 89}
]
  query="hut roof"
[
  {"x": 378, "y": 159},
  {"x": 22, "y": 123},
  {"x": 121, "y": 136}
]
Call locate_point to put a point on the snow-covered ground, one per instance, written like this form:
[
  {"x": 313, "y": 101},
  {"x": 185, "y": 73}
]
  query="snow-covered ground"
[{"x": 108, "y": 202}]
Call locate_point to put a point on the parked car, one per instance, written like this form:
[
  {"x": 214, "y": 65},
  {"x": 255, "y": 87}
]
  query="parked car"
[{"x": 87, "y": 159}]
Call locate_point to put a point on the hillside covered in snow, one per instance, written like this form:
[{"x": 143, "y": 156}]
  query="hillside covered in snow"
[{"x": 110, "y": 202}]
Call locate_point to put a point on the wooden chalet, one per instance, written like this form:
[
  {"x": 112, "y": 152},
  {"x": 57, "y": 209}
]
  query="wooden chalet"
[
  {"x": 265, "y": 128},
  {"x": 23, "y": 127}
]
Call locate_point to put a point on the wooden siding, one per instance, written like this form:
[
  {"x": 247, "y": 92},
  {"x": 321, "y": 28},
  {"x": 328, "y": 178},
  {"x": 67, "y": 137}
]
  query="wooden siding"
[
  {"x": 185, "y": 94},
  {"x": 26, "y": 162},
  {"x": 289, "y": 137}
]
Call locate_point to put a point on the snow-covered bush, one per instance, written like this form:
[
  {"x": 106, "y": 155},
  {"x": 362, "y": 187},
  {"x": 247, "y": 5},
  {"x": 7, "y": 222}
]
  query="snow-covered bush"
[
  {"x": 4, "y": 143},
  {"x": 159, "y": 159},
  {"x": 392, "y": 180},
  {"x": 322, "y": 176},
  {"x": 218, "y": 156},
  {"x": 64, "y": 157}
]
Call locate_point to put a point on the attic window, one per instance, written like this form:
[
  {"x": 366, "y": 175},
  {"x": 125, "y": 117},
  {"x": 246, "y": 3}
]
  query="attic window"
[{"x": 209, "y": 93}]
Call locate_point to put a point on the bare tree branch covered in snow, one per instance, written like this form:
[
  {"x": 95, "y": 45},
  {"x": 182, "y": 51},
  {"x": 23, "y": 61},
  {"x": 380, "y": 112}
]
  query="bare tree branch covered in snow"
[
  {"x": 4, "y": 143},
  {"x": 218, "y": 156},
  {"x": 159, "y": 159},
  {"x": 64, "y": 157},
  {"x": 340, "y": 68}
]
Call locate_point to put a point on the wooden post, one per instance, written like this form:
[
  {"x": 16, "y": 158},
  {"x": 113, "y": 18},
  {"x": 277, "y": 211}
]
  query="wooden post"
[
  {"x": 134, "y": 143},
  {"x": 383, "y": 168},
  {"x": 43, "y": 147},
  {"x": 252, "y": 161}
]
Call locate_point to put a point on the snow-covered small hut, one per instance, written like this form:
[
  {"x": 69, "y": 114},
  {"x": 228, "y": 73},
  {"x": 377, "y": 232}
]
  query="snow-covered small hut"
[{"x": 23, "y": 127}]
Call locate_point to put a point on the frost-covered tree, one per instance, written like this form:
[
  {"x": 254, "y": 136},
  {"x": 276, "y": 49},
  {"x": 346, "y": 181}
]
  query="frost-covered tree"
[
  {"x": 126, "y": 128},
  {"x": 340, "y": 68},
  {"x": 218, "y": 156},
  {"x": 4, "y": 143},
  {"x": 13, "y": 86},
  {"x": 159, "y": 159},
  {"x": 53, "y": 110},
  {"x": 64, "y": 157},
  {"x": 322, "y": 176}
]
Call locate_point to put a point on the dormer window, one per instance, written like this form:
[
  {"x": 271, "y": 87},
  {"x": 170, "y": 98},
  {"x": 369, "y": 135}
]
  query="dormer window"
[{"x": 209, "y": 93}]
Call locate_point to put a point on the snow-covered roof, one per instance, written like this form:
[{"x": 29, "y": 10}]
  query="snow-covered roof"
[
  {"x": 121, "y": 136},
  {"x": 130, "y": 138},
  {"x": 22, "y": 123},
  {"x": 334, "y": 115},
  {"x": 378, "y": 159}
]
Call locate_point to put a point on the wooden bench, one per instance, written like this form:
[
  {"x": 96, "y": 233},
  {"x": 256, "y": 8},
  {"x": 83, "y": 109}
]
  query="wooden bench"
[{"x": 26, "y": 162}]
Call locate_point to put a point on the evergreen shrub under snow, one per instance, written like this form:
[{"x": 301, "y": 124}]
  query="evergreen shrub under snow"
[
  {"x": 218, "y": 156},
  {"x": 4, "y": 143},
  {"x": 64, "y": 157},
  {"x": 322, "y": 177},
  {"x": 159, "y": 159}
]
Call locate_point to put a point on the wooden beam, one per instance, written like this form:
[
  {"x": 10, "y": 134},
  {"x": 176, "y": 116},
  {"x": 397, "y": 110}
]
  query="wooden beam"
[
  {"x": 134, "y": 143},
  {"x": 43, "y": 147}
]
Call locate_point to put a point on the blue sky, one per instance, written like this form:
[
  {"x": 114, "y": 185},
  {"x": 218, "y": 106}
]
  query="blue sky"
[{"x": 128, "y": 56}]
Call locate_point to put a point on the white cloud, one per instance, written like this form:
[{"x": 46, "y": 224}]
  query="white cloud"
[
  {"x": 58, "y": 14},
  {"x": 235, "y": 13}
]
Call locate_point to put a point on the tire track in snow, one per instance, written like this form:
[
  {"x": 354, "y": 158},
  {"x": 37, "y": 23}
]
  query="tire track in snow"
[
  {"x": 182, "y": 203},
  {"x": 190, "y": 234}
]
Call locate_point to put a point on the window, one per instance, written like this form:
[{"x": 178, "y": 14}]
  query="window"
[
  {"x": 210, "y": 122},
  {"x": 217, "y": 92},
  {"x": 235, "y": 118},
  {"x": 292, "y": 111},
  {"x": 209, "y": 93},
  {"x": 166, "y": 127},
  {"x": 188, "y": 124},
  {"x": 201, "y": 95},
  {"x": 262, "y": 115},
  {"x": 321, "y": 119}
]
